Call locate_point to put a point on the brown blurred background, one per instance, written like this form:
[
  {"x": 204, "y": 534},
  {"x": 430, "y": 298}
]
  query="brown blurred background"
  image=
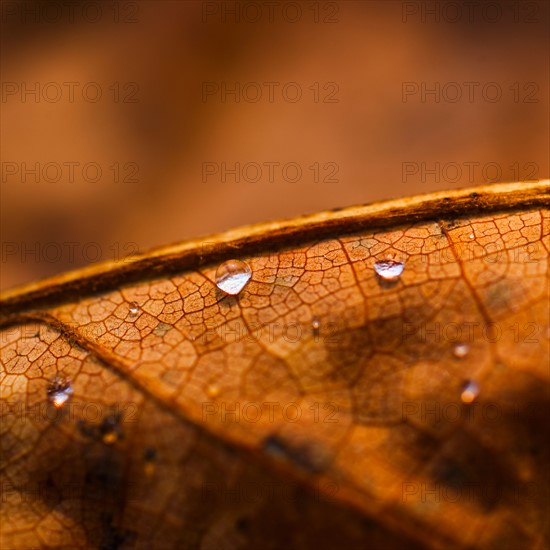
[{"x": 123, "y": 122}]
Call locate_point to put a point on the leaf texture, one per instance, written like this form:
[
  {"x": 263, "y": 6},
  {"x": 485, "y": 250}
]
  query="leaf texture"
[{"x": 323, "y": 406}]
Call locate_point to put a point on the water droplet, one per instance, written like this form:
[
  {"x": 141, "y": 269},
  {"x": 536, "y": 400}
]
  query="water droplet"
[
  {"x": 389, "y": 270},
  {"x": 161, "y": 329},
  {"x": 315, "y": 328},
  {"x": 461, "y": 350},
  {"x": 471, "y": 236},
  {"x": 232, "y": 276},
  {"x": 470, "y": 391},
  {"x": 150, "y": 458},
  {"x": 110, "y": 429},
  {"x": 59, "y": 391},
  {"x": 133, "y": 309}
]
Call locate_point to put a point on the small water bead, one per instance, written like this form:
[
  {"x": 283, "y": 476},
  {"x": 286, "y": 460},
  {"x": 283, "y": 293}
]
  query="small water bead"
[
  {"x": 110, "y": 430},
  {"x": 315, "y": 327},
  {"x": 470, "y": 391},
  {"x": 161, "y": 329},
  {"x": 133, "y": 309},
  {"x": 389, "y": 270},
  {"x": 59, "y": 391},
  {"x": 232, "y": 276},
  {"x": 149, "y": 459},
  {"x": 461, "y": 350}
]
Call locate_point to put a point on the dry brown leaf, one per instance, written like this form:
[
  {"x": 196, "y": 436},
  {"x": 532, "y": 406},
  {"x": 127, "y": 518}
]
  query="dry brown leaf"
[{"x": 321, "y": 407}]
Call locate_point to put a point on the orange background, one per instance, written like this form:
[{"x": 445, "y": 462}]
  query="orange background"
[{"x": 160, "y": 68}]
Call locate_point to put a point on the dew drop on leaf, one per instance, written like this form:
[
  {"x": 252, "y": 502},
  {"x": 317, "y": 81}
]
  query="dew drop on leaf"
[
  {"x": 232, "y": 276},
  {"x": 470, "y": 391},
  {"x": 461, "y": 350},
  {"x": 59, "y": 391},
  {"x": 110, "y": 429},
  {"x": 389, "y": 270},
  {"x": 315, "y": 327},
  {"x": 133, "y": 309},
  {"x": 149, "y": 458}
]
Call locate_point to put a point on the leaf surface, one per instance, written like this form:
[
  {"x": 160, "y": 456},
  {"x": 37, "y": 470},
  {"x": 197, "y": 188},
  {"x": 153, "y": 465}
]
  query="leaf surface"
[{"x": 323, "y": 406}]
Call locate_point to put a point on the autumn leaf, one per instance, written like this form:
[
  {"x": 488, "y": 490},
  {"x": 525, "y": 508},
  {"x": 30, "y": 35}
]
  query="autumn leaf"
[{"x": 377, "y": 377}]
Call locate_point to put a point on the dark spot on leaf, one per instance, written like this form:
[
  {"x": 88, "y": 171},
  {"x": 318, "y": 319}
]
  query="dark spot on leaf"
[
  {"x": 243, "y": 524},
  {"x": 451, "y": 474},
  {"x": 104, "y": 473},
  {"x": 112, "y": 537},
  {"x": 150, "y": 454},
  {"x": 86, "y": 429}
]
